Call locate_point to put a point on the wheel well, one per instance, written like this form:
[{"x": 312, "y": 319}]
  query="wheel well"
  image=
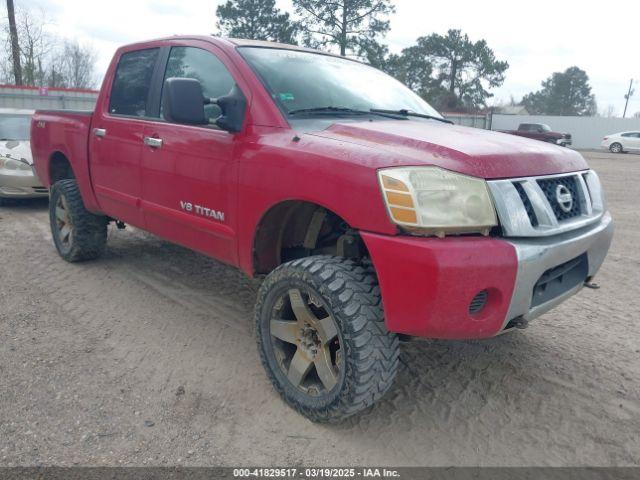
[
  {"x": 59, "y": 168},
  {"x": 297, "y": 229}
]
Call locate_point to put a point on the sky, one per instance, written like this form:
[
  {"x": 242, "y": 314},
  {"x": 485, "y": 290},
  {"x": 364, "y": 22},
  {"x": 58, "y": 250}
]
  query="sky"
[{"x": 537, "y": 38}]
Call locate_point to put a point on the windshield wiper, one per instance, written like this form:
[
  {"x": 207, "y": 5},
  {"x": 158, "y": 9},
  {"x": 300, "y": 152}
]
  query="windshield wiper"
[
  {"x": 348, "y": 111},
  {"x": 408, "y": 113}
]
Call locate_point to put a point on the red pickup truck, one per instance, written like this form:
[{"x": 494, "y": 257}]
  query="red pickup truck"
[
  {"x": 542, "y": 132},
  {"x": 370, "y": 218}
]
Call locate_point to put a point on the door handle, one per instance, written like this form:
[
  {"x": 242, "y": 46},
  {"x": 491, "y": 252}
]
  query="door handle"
[
  {"x": 153, "y": 142},
  {"x": 99, "y": 132}
]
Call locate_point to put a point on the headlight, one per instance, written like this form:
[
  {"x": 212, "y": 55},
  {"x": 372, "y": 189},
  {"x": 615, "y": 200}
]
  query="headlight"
[
  {"x": 7, "y": 163},
  {"x": 434, "y": 201}
]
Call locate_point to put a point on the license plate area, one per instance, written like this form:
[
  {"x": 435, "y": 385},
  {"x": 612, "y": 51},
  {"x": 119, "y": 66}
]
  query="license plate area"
[{"x": 558, "y": 280}]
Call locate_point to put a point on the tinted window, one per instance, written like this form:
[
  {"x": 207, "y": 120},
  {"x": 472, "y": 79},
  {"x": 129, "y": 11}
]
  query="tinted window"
[
  {"x": 132, "y": 82},
  {"x": 191, "y": 62},
  {"x": 14, "y": 127}
]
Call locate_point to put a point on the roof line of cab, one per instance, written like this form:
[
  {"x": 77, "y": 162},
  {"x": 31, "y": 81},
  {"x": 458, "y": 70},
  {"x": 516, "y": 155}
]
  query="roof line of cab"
[{"x": 232, "y": 43}]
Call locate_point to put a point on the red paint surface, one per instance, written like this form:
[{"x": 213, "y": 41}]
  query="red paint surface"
[
  {"x": 427, "y": 284},
  {"x": 246, "y": 174}
]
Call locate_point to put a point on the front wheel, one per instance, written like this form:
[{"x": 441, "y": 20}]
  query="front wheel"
[
  {"x": 322, "y": 338},
  {"x": 77, "y": 233},
  {"x": 615, "y": 148}
]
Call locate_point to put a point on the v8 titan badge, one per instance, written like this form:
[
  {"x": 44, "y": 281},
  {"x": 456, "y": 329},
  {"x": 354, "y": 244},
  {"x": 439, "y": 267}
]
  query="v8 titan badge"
[{"x": 202, "y": 211}]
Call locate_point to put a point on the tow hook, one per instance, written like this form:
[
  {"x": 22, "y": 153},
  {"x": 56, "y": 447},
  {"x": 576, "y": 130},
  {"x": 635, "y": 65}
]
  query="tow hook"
[
  {"x": 520, "y": 323},
  {"x": 591, "y": 285}
]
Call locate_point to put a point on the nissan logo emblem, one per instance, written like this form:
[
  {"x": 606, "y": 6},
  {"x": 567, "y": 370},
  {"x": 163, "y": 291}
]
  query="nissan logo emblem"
[{"x": 564, "y": 198}]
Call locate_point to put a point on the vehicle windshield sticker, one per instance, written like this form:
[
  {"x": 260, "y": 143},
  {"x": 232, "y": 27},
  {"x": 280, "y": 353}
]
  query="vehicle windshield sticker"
[{"x": 287, "y": 97}]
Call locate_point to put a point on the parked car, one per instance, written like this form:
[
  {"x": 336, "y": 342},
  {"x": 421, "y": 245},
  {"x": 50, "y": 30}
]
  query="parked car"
[
  {"x": 17, "y": 177},
  {"x": 543, "y": 132},
  {"x": 369, "y": 217},
  {"x": 622, "y": 142}
]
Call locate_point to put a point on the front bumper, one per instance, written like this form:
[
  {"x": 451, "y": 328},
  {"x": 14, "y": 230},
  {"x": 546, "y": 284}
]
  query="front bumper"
[
  {"x": 539, "y": 255},
  {"x": 564, "y": 141},
  {"x": 429, "y": 284},
  {"x": 21, "y": 185}
]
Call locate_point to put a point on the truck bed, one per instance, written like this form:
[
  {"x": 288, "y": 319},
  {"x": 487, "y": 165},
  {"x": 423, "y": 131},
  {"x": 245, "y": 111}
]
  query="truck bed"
[{"x": 63, "y": 133}]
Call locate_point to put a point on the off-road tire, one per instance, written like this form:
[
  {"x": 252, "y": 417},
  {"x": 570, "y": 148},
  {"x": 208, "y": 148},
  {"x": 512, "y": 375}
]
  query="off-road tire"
[
  {"x": 351, "y": 293},
  {"x": 89, "y": 235}
]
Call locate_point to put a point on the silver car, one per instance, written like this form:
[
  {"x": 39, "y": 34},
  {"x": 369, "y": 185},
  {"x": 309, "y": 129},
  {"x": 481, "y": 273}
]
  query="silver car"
[
  {"x": 622, "y": 142},
  {"x": 17, "y": 177}
]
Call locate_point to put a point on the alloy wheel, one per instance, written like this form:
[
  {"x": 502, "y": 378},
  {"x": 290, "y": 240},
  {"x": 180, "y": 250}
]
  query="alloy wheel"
[
  {"x": 63, "y": 223},
  {"x": 306, "y": 342}
]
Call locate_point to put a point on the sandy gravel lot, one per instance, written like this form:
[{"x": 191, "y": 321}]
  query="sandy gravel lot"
[{"x": 147, "y": 357}]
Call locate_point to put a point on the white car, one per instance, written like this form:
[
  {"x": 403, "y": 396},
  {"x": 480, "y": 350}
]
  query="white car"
[
  {"x": 17, "y": 178},
  {"x": 622, "y": 142}
]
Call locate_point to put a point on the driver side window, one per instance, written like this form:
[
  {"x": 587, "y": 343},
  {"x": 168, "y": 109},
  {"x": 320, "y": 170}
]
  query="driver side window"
[{"x": 192, "y": 62}]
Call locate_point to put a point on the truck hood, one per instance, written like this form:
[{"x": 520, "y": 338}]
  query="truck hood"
[
  {"x": 472, "y": 151},
  {"x": 19, "y": 149}
]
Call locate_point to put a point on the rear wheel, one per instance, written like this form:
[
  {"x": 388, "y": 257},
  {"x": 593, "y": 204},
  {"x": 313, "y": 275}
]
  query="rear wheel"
[
  {"x": 77, "y": 233},
  {"x": 322, "y": 338},
  {"x": 615, "y": 147}
]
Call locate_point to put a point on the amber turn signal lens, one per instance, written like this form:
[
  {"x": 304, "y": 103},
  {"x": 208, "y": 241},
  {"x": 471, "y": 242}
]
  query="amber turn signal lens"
[
  {"x": 404, "y": 216},
  {"x": 399, "y": 199},
  {"x": 393, "y": 184}
]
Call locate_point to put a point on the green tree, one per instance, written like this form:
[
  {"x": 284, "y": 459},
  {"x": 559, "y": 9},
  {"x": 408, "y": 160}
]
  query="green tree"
[
  {"x": 353, "y": 26},
  {"x": 463, "y": 71},
  {"x": 563, "y": 93},
  {"x": 256, "y": 20}
]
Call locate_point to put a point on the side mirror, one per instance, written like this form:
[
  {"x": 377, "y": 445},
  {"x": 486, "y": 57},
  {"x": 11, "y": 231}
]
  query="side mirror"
[
  {"x": 233, "y": 106},
  {"x": 182, "y": 101}
]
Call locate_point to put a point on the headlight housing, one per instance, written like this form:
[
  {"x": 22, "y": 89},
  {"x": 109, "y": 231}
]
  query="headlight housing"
[
  {"x": 15, "y": 164},
  {"x": 435, "y": 201}
]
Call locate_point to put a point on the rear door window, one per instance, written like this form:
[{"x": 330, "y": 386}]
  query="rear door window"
[
  {"x": 192, "y": 62},
  {"x": 132, "y": 82}
]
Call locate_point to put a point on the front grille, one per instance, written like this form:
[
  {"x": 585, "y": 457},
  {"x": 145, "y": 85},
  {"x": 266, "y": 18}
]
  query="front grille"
[
  {"x": 550, "y": 187},
  {"x": 527, "y": 204},
  {"x": 40, "y": 190},
  {"x": 558, "y": 280}
]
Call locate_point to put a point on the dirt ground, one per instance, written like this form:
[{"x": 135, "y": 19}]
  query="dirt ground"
[{"x": 146, "y": 357}]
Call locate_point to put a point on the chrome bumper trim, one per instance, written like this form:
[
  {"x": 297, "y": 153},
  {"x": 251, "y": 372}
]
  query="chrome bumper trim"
[{"x": 537, "y": 255}]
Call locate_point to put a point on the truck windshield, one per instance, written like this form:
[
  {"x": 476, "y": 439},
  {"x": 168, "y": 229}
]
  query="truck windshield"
[
  {"x": 14, "y": 127},
  {"x": 321, "y": 84}
]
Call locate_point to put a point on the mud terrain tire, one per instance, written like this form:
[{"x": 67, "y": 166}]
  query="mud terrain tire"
[
  {"x": 77, "y": 233},
  {"x": 348, "y": 292}
]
